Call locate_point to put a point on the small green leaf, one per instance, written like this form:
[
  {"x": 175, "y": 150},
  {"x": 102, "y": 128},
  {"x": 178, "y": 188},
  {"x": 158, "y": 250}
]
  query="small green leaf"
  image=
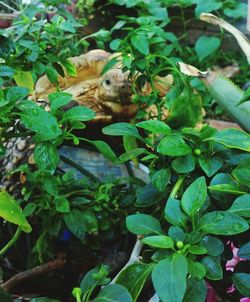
[
  {"x": 162, "y": 242},
  {"x": 51, "y": 74},
  {"x": 113, "y": 293},
  {"x": 210, "y": 165},
  {"x": 70, "y": 68},
  {"x": 174, "y": 214},
  {"x": 160, "y": 179},
  {"x": 11, "y": 212},
  {"x": 79, "y": 113},
  {"x": 59, "y": 99},
  {"x": 154, "y": 126},
  {"x": 62, "y": 204},
  {"x": 105, "y": 149},
  {"x": 205, "y": 46},
  {"x": 169, "y": 278},
  {"x": 242, "y": 283},
  {"x": 241, "y": 206},
  {"x": 197, "y": 249},
  {"x": 222, "y": 223},
  {"x": 46, "y": 156},
  {"x": 183, "y": 164},
  {"x": 142, "y": 224},
  {"x": 75, "y": 222},
  {"x": 242, "y": 172},
  {"x": 6, "y": 71},
  {"x": 196, "y": 269},
  {"x": 213, "y": 245},
  {"x": 214, "y": 270},
  {"x": 194, "y": 197},
  {"x": 131, "y": 154},
  {"x": 173, "y": 145},
  {"x": 24, "y": 79}
]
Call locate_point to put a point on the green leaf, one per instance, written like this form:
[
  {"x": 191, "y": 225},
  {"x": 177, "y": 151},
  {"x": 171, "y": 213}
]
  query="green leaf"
[
  {"x": 105, "y": 149},
  {"x": 210, "y": 165},
  {"x": 183, "y": 164},
  {"x": 120, "y": 129},
  {"x": 196, "y": 291},
  {"x": 206, "y": 6},
  {"x": 59, "y": 99},
  {"x": 227, "y": 188},
  {"x": 162, "y": 242},
  {"x": 174, "y": 214},
  {"x": 148, "y": 195},
  {"x": 173, "y": 145},
  {"x": 197, "y": 249},
  {"x": 244, "y": 251},
  {"x": 214, "y": 270},
  {"x": 232, "y": 138},
  {"x": 205, "y": 46},
  {"x": 70, "y": 68},
  {"x": 113, "y": 293},
  {"x": 213, "y": 245},
  {"x": 222, "y": 223},
  {"x": 6, "y": 71},
  {"x": 154, "y": 126},
  {"x": 196, "y": 269},
  {"x": 12, "y": 212},
  {"x": 241, "y": 206},
  {"x": 75, "y": 222},
  {"x": 51, "y": 74},
  {"x": 140, "y": 43},
  {"x": 109, "y": 65},
  {"x": 142, "y": 224},
  {"x": 24, "y": 79},
  {"x": 46, "y": 156},
  {"x": 39, "y": 121},
  {"x": 169, "y": 278},
  {"x": 131, "y": 154},
  {"x": 16, "y": 94},
  {"x": 114, "y": 45},
  {"x": 62, "y": 205},
  {"x": 239, "y": 11},
  {"x": 129, "y": 144},
  {"x": 242, "y": 283},
  {"x": 242, "y": 172},
  {"x": 134, "y": 277},
  {"x": 176, "y": 233},
  {"x": 160, "y": 179},
  {"x": 67, "y": 26},
  {"x": 79, "y": 113},
  {"x": 194, "y": 197},
  {"x": 96, "y": 276}
]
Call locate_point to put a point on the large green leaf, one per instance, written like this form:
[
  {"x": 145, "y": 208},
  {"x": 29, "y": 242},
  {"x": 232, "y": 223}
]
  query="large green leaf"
[
  {"x": 154, "y": 126},
  {"x": 173, "y": 145},
  {"x": 142, "y": 224},
  {"x": 222, "y": 223},
  {"x": 210, "y": 165},
  {"x": 134, "y": 277},
  {"x": 169, "y": 278},
  {"x": 241, "y": 206},
  {"x": 120, "y": 129},
  {"x": 113, "y": 293},
  {"x": 232, "y": 138},
  {"x": 194, "y": 196},
  {"x": 140, "y": 43},
  {"x": 39, "y": 121},
  {"x": 205, "y": 46},
  {"x": 242, "y": 283},
  {"x": 12, "y": 212},
  {"x": 174, "y": 214}
]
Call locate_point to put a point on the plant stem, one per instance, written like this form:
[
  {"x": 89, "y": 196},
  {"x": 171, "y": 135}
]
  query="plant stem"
[
  {"x": 11, "y": 242},
  {"x": 177, "y": 186}
]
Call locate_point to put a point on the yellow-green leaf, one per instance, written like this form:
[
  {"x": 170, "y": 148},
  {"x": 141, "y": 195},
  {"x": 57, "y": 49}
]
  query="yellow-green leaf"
[{"x": 24, "y": 79}]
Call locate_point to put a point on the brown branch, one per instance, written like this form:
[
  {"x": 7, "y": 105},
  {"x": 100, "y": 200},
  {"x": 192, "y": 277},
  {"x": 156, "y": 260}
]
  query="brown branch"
[{"x": 41, "y": 269}]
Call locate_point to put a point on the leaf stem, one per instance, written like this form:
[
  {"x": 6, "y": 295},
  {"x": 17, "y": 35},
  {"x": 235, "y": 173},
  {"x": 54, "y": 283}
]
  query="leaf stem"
[
  {"x": 177, "y": 186},
  {"x": 11, "y": 242}
]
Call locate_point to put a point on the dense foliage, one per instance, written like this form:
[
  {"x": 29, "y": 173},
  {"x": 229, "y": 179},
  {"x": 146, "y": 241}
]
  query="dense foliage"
[{"x": 194, "y": 208}]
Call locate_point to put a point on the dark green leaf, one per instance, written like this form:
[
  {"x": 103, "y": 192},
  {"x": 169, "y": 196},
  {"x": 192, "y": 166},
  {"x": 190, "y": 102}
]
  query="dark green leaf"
[
  {"x": 174, "y": 214},
  {"x": 134, "y": 277},
  {"x": 214, "y": 246},
  {"x": 75, "y": 222},
  {"x": 154, "y": 126},
  {"x": 169, "y": 278},
  {"x": 173, "y": 145},
  {"x": 6, "y": 71},
  {"x": 196, "y": 269},
  {"x": 194, "y": 197},
  {"x": 241, "y": 206},
  {"x": 242, "y": 172},
  {"x": 51, "y": 74},
  {"x": 222, "y": 223},
  {"x": 244, "y": 251},
  {"x": 46, "y": 156},
  {"x": 196, "y": 291},
  {"x": 210, "y": 165},
  {"x": 62, "y": 204},
  {"x": 140, "y": 43},
  {"x": 242, "y": 283},
  {"x": 160, "y": 179},
  {"x": 183, "y": 164},
  {"x": 120, "y": 129},
  {"x": 214, "y": 270},
  {"x": 142, "y": 224}
]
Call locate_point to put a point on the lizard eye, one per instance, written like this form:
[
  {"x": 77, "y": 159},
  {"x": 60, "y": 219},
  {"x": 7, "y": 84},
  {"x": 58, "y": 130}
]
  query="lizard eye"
[{"x": 107, "y": 83}]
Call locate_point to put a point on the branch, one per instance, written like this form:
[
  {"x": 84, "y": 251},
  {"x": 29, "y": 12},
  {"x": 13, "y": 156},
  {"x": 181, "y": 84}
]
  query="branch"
[
  {"x": 133, "y": 258},
  {"x": 38, "y": 270}
]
